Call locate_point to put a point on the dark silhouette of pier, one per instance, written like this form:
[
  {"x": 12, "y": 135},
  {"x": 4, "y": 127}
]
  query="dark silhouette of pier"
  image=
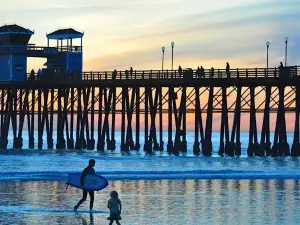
[
  {"x": 83, "y": 109},
  {"x": 77, "y": 105}
]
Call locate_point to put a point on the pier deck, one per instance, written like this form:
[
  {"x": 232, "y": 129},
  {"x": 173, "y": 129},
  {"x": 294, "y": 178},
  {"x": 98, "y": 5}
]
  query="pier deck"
[{"x": 80, "y": 106}]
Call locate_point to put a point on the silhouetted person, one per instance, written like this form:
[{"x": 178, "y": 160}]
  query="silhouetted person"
[
  {"x": 228, "y": 70},
  {"x": 280, "y": 69},
  {"x": 32, "y": 74},
  {"x": 198, "y": 72},
  {"x": 131, "y": 72},
  {"x": 39, "y": 74},
  {"x": 127, "y": 74},
  {"x": 179, "y": 71},
  {"x": 114, "y": 74},
  {"x": 115, "y": 208},
  {"x": 281, "y": 65},
  {"x": 212, "y": 72},
  {"x": 202, "y": 73},
  {"x": 88, "y": 170}
]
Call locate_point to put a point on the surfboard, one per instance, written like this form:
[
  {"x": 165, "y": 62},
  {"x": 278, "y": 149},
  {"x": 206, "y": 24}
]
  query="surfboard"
[{"x": 92, "y": 182}]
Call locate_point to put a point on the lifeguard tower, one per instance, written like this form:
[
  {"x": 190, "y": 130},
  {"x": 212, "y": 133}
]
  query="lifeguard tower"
[
  {"x": 13, "y": 52},
  {"x": 68, "y": 58}
]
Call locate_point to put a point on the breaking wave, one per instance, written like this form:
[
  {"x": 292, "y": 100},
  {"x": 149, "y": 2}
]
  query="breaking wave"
[{"x": 151, "y": 175}]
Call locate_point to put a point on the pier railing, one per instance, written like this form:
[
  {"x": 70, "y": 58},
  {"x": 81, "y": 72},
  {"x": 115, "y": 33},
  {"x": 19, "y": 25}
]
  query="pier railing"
[
  {"x": 44, "y": 49},
  {"x": 187, "y": 74},
  {"x": 193, "y": 74}
]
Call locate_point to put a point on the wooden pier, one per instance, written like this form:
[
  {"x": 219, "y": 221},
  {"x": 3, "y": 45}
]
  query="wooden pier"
[{"x": 85, "y": 111}]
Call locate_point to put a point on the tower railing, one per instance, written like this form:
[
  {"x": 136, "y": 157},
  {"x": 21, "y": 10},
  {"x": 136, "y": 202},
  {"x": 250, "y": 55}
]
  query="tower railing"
[{"x": 32, "y": 47}]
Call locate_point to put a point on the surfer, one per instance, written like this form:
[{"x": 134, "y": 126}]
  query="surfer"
[
  {"x": 115, "y": 207},
  {"x": 88, "y": 170}
]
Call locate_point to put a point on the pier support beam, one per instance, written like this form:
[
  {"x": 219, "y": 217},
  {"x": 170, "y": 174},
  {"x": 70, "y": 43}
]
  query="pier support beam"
[
  {"x": 100, "y": 144},
  {"x": 148, "y": 141},
  {"x": 161, "y": 142},
  {"x": 196, "y": 146},
  {"x": 153, "y": 112},
  {"x": 253, "y": 143},
  {"x": 40, "y": 129},
  {"x": 124, "y": 146},
  {"x": 280, "y": 145},
  {"x": 265, "y": 144},
  {"x": 70, "y": 142},
  {"x": 91, "y": 141},
  {"x": 207, "y": 144},
  {"x": 295, "y": 151},
  {"x": 130, "y": 106},
  {"x": 224, "y": 128},
  {"x": 31, "y": 137},
  {"x": 235, "y": 143},
  {"x": 111, "y": 145},
  {"x": 137, "y": 123},
  {"x": 78, "y": 144},
  {"x": 171, "y": 95}
]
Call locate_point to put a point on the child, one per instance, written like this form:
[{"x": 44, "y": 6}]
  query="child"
[
  {"x": 115, "y": 206},
  {"x": 88, "y": 170}
]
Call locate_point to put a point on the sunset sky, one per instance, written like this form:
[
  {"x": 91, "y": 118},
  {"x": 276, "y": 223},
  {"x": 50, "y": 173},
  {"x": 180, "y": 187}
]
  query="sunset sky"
[{"x": 124, "y": 33}]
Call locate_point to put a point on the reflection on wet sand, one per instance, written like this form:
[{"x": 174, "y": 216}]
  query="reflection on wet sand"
[
  {"x": 158, "y": 202},
  {"x": 91, "y": 220}
]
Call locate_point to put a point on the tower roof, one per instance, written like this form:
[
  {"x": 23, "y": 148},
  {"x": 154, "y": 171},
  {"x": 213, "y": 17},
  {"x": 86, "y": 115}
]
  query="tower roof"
[
  {"x": 14, "y": 29},
  {"x": 65, "y": 34}
]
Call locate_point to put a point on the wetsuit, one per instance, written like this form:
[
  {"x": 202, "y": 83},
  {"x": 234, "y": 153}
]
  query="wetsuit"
[{"x": 87, "y": 170}]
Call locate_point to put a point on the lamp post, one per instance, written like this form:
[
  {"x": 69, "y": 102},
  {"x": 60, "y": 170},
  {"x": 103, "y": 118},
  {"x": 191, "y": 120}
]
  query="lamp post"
[
  {"x": 268, "y": 45},
  {"x": 172, "y": 45},
  {"x": 163, "y": 58},
  {"x": 286, "y": 39}
]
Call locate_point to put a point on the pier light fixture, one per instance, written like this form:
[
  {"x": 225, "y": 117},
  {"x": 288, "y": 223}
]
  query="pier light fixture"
[
  {"x": 268, "y": 45},
  {"x": 286, "y": 39},
  {"x": 172, "y": 45},
  {"x": 163, "y": 57}
]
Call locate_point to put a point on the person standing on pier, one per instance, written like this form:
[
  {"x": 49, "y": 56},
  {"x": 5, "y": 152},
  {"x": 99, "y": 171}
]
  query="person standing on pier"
[
  {"x": 179, "y": 71},
  {"x": 32, "y": 74},
  {"x": 131, "y": 72},
  {"x": 280, "y": 70},
  {"x": 227, "y": 70},
  {"x": 88, "y": 170},
  {"x": 114, "y": 74},
  {"x": 202, "y": 73},
  {"x": 198, "y": 72},
  {"x": 39, "y": 74},
  {"x": 127, "y": 74},
  {"x": 212, "y": 72}
]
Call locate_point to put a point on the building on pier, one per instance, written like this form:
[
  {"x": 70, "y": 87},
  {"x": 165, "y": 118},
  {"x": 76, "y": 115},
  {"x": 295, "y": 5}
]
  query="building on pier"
[
  {"x": 68, "y": 57},
  {"x": 63, "y": 59},
  {"x": 13, "y": 52}
]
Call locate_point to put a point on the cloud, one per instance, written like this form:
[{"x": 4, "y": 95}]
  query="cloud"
[{"x": 237, "y": 34}]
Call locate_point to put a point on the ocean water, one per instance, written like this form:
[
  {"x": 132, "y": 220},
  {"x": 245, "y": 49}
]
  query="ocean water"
[{"x": 157, "y": 189}]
